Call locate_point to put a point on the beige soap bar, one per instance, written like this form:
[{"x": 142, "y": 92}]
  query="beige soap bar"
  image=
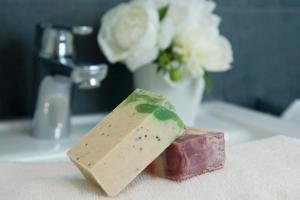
[{"x": 118, "y": 148}]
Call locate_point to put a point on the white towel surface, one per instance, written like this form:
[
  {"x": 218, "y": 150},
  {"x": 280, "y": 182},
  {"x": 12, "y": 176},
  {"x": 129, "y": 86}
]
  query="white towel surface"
[{"x": 263, "y": 170}]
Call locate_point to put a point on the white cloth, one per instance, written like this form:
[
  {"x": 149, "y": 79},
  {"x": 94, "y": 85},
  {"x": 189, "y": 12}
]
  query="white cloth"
[{"x": 263, "y": 170}]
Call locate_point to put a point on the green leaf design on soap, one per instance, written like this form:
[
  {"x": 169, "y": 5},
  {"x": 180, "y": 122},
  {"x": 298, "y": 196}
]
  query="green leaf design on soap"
[
  {"x": 146, "y": 108},
  {"x": 137, "y": 96},
  {"x": 143, "y": 96},
  {"x": 161, "y": 113}
]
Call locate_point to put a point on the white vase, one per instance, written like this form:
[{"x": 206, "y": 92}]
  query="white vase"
[{"x": 186, "y": 95}]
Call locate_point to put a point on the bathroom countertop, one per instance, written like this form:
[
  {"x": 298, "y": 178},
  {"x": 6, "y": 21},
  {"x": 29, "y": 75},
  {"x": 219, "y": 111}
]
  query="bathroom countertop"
[{"x": 239, "y": 125}]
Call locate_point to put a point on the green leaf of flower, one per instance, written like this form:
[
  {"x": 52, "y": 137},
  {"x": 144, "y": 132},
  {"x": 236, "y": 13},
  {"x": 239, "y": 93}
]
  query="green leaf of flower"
[
  {"x": 163, "y": 12},
  {"x": 208, "y": 83},
  {"x": 163, "y": 60}
]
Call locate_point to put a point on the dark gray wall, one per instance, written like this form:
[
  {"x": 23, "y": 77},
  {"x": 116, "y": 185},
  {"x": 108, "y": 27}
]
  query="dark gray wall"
[
  {"x": 265, "y": 38},
  {"x": 264, "y": 34}
]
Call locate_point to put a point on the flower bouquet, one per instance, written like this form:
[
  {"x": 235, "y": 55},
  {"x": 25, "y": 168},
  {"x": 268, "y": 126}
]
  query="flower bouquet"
[{"x": 169, "y": 45}]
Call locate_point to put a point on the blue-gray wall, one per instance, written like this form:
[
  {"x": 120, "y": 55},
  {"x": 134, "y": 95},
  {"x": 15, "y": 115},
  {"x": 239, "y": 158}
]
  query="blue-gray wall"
[{"x": 264, "y": 34}]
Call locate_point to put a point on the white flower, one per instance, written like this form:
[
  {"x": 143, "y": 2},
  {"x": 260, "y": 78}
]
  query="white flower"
[
  {"x": 162, "y": 3},
  {"x": 129, "y": 33},
  {"x": 197, "y": 37},
  {"x": 219, "y": 54},
  {"x": 132, "y": 33},
  {"x": 202, "y": 51},
  {"x": 196, "y": 14},
  {"x": 166, "y": 33}
]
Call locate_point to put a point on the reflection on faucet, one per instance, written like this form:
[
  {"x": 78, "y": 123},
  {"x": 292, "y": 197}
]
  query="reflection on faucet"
[
  {"x": 57, "y": 47},
  {"x": 51, "y": 117},
  {"x": 89, "y": 77},
  {"x": 52, "y": 114}
]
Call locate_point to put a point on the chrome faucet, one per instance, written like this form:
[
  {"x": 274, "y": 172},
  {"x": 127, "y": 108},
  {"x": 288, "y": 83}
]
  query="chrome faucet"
[{"x": 52, "y": 113}]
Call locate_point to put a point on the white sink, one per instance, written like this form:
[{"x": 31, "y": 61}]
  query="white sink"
[
  {"x": 17, "y": 144},
  {"x": 239, "y": 125}
]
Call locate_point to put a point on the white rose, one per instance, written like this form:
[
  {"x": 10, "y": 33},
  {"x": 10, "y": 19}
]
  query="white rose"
[
  {"x": 166, "y": 33},
  {"x": 194, "y": 13},
  {"x": 129, "y": 33},
  {"x": 197, "y": 37},
  {"x": 219, "y": 55},
  {"x": 202, "y": 51},
  {"x": 162, "y": 3}
]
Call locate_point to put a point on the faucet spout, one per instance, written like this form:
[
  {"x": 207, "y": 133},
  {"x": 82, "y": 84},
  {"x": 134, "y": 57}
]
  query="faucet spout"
[
  {"x": 86, "y": 76},
  {"x": 89, "y": 77},
  {"x": 52, "y": 113}
]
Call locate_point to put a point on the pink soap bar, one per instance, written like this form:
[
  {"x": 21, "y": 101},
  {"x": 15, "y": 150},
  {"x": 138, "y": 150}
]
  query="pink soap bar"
[{"x": 192, "y": 154}]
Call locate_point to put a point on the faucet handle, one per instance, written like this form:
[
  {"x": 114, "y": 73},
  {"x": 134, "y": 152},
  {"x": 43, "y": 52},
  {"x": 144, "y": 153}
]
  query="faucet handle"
[
  {"x": 79, "y": 30},
  {"x": 57, "y": 41}
]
